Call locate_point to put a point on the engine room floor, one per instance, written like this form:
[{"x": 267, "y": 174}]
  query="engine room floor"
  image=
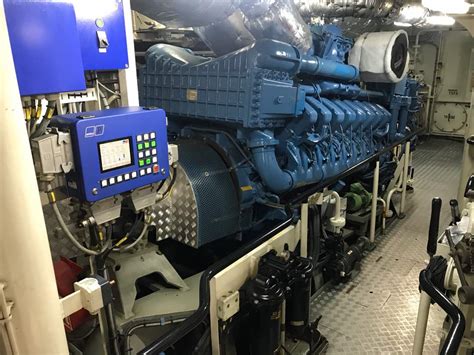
[{"x": 375, "y": 313}]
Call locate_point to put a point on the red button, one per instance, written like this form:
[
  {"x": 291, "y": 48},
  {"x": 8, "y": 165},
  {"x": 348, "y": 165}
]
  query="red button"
[{"x": 156, "y": 169}]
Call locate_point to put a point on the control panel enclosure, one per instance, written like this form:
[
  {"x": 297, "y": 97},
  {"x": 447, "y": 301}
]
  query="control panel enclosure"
[{"x": 115, "y": 151}]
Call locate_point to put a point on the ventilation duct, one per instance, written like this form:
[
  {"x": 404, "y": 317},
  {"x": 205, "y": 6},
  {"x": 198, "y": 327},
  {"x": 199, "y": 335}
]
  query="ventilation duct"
[
  {"x": 228, "y": 25},
  {"x": 185, "y": 13},
  {"x": 347, "y": 8}
]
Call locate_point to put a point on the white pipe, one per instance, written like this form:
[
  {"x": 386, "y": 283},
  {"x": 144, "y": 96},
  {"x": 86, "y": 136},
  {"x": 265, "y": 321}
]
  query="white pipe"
[
  {"x": 373, "y": 211},
  {"x": 337, "y": 221},
  {"x": 25, "y": 258},
  {"x": 406, "y": 163},
  {"x": 389, "y": 198},
  {"x": 421, "y": 323},
  {"x": 337, "y": 209},
  {"x": 397, "y": 188}
]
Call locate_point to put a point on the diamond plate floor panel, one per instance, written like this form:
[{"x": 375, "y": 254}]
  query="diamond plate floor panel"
[{"x": 375, "y": 313}]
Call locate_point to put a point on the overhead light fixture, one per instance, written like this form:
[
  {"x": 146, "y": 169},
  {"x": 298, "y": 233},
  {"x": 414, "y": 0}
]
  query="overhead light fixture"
[
  {"x": 441, "y": 20},
  {"x": 402, "y": 24},
  {"x": 448, "y": 7},
  {"x": 411, "y": 14}
]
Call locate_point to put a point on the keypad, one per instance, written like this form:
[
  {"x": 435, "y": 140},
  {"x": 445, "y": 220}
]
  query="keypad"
[
  {"x": 146, "y": 146},
  {"x": 146, "y": 157}
]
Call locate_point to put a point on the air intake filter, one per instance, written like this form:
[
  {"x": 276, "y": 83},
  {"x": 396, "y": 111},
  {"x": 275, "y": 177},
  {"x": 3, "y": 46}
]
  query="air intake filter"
[{"x": 382, "y": 57}]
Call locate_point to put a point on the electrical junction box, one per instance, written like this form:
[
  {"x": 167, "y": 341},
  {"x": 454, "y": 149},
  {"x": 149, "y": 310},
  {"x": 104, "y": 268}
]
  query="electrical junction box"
[
  {"x": 102, "y": 35},
  {"x": 45, "y": 46},
  {"x": 115, "y": 151},
  {"x": 54, "y": 42}
]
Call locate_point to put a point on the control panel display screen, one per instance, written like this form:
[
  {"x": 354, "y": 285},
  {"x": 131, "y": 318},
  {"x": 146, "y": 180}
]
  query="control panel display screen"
[{"x": 115, "y": 154}]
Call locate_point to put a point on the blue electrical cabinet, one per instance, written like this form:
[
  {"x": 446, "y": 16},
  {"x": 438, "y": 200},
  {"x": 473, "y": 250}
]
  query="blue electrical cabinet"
[
  {"x": 115, "y": 151},
  {"x": 101, "y": 27},
  {"x": 45, "y": 47},
  {"x": 54, "y": 42}
]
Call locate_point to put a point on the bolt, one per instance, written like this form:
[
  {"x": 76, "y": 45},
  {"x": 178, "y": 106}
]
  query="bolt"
[
  {"x": 163, "y": 171},
  {"x": 95, "y": 191}
]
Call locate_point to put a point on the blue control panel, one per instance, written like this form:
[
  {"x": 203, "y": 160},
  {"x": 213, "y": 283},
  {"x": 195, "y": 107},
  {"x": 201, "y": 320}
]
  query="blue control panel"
[{"x": 115, "y": 150}]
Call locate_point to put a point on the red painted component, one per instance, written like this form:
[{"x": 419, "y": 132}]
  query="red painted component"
[{"x": 67, "y": 272}]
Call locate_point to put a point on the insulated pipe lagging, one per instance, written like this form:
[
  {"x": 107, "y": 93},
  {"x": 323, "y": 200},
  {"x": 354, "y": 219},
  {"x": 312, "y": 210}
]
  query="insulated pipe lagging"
[{"x": 262, "y": 146}]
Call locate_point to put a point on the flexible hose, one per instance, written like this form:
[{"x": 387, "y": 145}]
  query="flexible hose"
[{"x": 70, "y": 236}]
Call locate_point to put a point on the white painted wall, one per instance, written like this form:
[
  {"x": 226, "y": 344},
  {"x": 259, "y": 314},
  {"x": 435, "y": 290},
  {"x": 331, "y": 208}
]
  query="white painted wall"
[
  {"x": 452, "y": 87},
  {"x": 455, "y": 70}
]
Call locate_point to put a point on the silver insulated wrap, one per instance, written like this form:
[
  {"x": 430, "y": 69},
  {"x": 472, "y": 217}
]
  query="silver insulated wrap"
[
  {"x": 228, "y": 25},
  {"x": 203, "y": 205}
]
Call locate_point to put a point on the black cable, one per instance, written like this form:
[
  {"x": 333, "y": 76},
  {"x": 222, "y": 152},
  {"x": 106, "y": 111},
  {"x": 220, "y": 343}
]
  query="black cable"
[{"x": 106, "y": 253}]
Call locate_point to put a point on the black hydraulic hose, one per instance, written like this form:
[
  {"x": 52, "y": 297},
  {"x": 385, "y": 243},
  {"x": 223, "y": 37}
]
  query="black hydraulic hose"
[
  {"x": 188, "y": 325},
  {"x": 456, "y": 332},
  {"x": 315, "y": 236}
]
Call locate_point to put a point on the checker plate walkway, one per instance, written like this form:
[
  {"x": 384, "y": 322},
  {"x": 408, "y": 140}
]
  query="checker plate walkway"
[{"x": 376, "y": 312}]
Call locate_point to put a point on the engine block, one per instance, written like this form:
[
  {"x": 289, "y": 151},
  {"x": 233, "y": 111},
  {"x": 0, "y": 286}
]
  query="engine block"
[{"x": 279, "y": 118}]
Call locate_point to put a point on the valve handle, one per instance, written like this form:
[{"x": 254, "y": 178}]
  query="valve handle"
[
  {"x": 434, "y": 226},
  {"x": 455, "y": 214},
  {"x": 469, "y": 191}
]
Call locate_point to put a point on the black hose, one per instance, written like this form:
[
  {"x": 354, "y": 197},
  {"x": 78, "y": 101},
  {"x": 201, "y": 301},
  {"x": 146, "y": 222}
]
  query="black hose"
[
  {"x": 310, "y": 232},
  {"x": 184, "y": 328},
  {"x": 456, "y": 332},
  {"x": 314, "y": 245}
]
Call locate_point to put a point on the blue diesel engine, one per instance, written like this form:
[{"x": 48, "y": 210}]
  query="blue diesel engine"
[{"x": 259, "y": 122}]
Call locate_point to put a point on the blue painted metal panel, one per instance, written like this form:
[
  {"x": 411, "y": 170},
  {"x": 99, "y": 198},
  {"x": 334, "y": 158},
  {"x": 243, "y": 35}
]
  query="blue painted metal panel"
[
  {"x": 107, "y": 16},
  {"x": 90, "y": 129},
  {"x": 45, "y": 46}
]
